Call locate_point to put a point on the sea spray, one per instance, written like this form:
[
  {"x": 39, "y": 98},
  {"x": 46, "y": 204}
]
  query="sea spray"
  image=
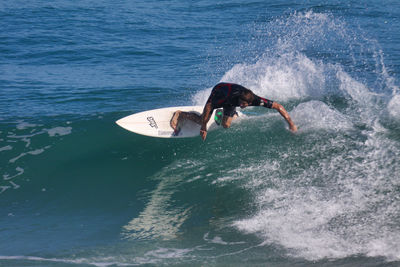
[{"x": 339, "y": 198}]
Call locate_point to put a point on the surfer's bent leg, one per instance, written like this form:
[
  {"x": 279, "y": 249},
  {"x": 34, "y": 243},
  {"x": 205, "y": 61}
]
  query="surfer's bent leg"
[
  {"x": 190, "y": 116},
  {"x": 174, "y": 120},
  {"x": 181, "y": 116},
  {"x": 229, "y": 114}
]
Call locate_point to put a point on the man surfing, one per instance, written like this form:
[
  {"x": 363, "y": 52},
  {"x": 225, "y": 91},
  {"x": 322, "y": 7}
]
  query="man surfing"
[{"x": 228, "y": 96}]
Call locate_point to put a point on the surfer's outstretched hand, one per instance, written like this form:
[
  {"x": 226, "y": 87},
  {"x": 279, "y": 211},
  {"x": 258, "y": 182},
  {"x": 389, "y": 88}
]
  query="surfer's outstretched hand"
[{"x": 203, "y": 134}]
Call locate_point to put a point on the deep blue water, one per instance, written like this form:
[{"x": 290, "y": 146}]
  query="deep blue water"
[{"x": 77, "y": 190}]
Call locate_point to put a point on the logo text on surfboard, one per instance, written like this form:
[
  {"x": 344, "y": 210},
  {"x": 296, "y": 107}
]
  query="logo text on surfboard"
[{"x": 152, "y": 122}]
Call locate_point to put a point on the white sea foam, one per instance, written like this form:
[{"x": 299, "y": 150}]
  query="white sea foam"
[
  {"x": 59, "y": 131},
  {"x": 160, "y": 218},
  {"x": 29, "y": 139},
  {"x": 19, "y": 170},
  {"x": 334, "y": 208},
  {"x": 394, "y": 107},
  {"x": 218, "y": 240},
  {"x": 169, "y": 253},
  {"x": 290, "y": 76},
  {"x": 197, "y": 177},
  {"x": 5, "y": 148},
  {"x": 316, "y": 115},
  {"x": 25, "y": 125},
  {"x": 33, "y": 152},
  {"x": 3, "y": 188},
  {"x": 335, "y": 195},
  {"x": 344, "y": 203},
  {"x": 100, "y": 262}
]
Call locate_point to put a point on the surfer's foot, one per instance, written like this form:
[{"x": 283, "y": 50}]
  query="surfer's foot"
[{"x": 174, "y": 120}]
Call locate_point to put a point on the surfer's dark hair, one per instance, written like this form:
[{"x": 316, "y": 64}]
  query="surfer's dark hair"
[{"x": 247, "y": 95}]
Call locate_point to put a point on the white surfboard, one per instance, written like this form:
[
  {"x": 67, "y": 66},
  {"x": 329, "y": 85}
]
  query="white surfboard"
[{"x": 156, "y": 123}]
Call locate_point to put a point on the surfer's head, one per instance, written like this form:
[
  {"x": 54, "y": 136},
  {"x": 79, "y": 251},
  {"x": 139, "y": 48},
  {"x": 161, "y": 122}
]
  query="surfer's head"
[{"x": 246, "y": 98}]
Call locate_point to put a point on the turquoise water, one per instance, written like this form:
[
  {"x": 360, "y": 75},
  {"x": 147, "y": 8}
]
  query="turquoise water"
[{"x": 77, "y": 190}]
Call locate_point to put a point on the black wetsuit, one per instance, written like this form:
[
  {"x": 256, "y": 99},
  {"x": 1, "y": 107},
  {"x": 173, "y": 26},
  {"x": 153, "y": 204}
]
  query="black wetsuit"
[{"x": 226, "y": 96}]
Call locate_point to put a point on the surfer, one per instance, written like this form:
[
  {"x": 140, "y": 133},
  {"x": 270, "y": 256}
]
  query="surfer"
[{"x": 228, "y": 96}]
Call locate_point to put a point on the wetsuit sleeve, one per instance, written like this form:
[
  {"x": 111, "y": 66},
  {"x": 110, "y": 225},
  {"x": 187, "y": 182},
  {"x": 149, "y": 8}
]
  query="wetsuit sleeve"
[{"x": 259, "y": 101}]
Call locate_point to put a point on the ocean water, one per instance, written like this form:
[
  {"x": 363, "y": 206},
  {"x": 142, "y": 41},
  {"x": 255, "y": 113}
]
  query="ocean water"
[{"x": 77, "y": 190}]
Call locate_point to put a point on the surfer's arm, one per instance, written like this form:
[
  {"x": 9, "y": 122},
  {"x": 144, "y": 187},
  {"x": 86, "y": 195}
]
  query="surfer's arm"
[
  {"x": 285, "y": 115},
  {"x": 259, "y": 101},
  {"x": 205, "y": 117}
]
